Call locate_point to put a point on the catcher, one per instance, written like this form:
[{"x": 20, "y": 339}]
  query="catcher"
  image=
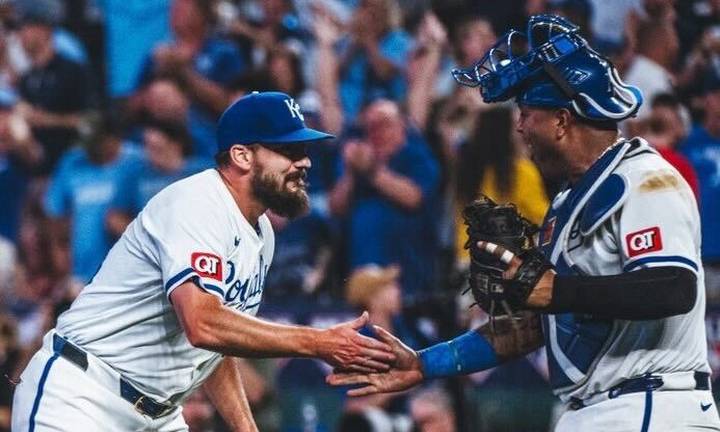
[{"x": 613, "y": 286}]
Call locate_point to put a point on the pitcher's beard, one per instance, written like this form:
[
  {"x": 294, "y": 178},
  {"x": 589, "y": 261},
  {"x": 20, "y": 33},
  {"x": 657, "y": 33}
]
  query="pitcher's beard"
[{"x": 275, "y": 195}]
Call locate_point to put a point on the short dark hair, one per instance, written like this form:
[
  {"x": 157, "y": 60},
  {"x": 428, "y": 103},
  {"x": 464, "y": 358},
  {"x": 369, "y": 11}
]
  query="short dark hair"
[
  {"x": 101, "y": 123},
  {"x": 665, "y": 100},
  {"x": 176, "y": 131},
  {"x": 222, "y": 158}
]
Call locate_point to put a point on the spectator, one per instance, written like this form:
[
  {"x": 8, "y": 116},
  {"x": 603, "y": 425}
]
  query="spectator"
[
  {"x": 657, "y": 50},
  {"x": 167, "y": 146},
  {"x": 28, "y": 306},
  {"x": 285, "y": 72},
  {"x": 423, "y": 68},
  {"x": 377, "y": 290},
  {"x": 81, "y": 190},
  {"x": 20, "y": 154},
  {"x": 608, "y": 17},
  {"x": 38, "y": 289},
  {"x": 328, "y": 34},
  {"x": 132, "y": 28},
  {"x": 705, "y": 55},
  {"x": 55, "y": 92},
  {"x": 472, "y": 37},
  {"x": 451, "y": 119},
  {"x": 492, "y": 163},
  {"x": 44, "y": 266},
  {"x": 303, "y": 257},
  {"x": 163, "y": 101},
  {"x": 702, "y": 147},
  {"x": 65, "y": 42},
  {"x": 665, "y": 131},
  {"x": 695, "y": 18},
  {"x": 335, "y": 86},
  {"x": 373, "y": 57},
  {"x": 271, "y": 24},
  {"x": 432, "y": 411},
  {"x": 388, "y": 192},
  {"x": 201, "y": 64}
]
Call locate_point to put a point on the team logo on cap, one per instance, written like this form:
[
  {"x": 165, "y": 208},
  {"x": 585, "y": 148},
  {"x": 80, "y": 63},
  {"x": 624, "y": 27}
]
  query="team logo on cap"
[
  {"x": 294, "y": 109},
  {"x": 644, "y": 241},
  {"x": 207, "y": 265}
]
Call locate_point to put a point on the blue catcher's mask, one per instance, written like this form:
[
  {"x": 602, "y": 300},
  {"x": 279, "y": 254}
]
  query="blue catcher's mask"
[{"x": 552, "y": 66}]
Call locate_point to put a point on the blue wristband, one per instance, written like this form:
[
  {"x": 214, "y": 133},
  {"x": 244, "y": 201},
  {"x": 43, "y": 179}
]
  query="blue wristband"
[{"x": 467, "y": 353}]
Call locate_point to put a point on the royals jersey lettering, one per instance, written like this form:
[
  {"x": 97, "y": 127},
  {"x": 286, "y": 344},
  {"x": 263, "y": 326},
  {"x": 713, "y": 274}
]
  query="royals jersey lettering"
[{"x": 192, "y": 230}]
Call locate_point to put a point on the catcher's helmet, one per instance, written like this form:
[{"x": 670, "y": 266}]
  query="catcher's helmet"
[{"x": 552, "y": 66}]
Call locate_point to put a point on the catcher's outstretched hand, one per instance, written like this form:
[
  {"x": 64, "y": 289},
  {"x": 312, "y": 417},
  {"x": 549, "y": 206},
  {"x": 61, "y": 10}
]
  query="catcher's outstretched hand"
[
  {"x": 537, "y": 275},
  {"x": 342, "y": 346},
  {"x": 404, "y": 374}
]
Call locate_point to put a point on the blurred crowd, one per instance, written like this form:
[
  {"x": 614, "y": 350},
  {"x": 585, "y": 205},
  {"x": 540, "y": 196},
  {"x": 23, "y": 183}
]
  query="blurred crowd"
[{"x": 105, "y": 102}]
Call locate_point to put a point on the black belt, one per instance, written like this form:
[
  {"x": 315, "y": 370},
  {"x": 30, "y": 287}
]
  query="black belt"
[
  {"x": 645, "y": 383},
  {"x": 142, "y": 403}
]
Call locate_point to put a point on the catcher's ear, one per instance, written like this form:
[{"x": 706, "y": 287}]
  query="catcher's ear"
[{"x": 563, "y": 119}]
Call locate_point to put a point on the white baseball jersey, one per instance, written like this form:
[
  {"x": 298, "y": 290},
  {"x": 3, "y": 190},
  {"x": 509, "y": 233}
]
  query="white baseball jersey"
[
  {"x": 631, "y": 210},
  {"x": 193, "y": 229}
]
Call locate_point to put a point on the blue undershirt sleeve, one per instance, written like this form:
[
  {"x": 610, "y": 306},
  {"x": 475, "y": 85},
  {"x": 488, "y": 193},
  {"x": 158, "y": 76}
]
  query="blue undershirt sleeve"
[{"x": 467, "y": 353}]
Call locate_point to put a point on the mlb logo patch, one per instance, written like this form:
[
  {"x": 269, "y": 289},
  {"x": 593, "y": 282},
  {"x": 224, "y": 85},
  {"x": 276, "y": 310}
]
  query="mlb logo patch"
[
  {"x": 644, "y": 241},
  {"x": 207, "y": 265}
]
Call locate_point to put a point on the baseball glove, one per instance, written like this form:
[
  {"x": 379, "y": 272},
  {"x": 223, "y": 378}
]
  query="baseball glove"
[{"x": 504, "y": 227}]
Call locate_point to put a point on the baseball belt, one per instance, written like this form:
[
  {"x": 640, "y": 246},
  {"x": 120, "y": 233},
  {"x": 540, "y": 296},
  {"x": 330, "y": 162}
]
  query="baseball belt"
[
  {"x": 648, "y": 383},
  {"x": 142, "y": 403}
]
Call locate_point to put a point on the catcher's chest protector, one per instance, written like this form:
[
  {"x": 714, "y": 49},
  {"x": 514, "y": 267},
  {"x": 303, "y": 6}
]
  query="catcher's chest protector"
[
  {"x": 630, "y": 210},
  {"x": 574, "y": 341}
]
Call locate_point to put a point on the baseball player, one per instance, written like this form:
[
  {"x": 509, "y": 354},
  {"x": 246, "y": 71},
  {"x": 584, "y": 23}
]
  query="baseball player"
[
  {"x": 617, "y": 272},
  {"x": 174, "y": 301}
]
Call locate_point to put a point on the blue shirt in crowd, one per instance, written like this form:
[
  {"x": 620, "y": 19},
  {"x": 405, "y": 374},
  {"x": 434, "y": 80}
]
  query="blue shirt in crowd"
[
  {"x": 83, "y": 191},
  {"x": 14, "y": 179},
  {"x": 384, "y": 233},
  {"x": 299, "y": 243},
  {"x": 135, "y": 192},
  {"x": 703, "y": 150},
  {"x": 132, "y": 28},
  {"x": 60, "y": 86},
  {"x": 358, "y": 83}
]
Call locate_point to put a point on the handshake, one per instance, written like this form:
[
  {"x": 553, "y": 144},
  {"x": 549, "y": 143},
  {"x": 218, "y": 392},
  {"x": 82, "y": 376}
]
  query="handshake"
[
  {"x": 401, "y": 373},
  {"x": 508, "y": 274}
]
